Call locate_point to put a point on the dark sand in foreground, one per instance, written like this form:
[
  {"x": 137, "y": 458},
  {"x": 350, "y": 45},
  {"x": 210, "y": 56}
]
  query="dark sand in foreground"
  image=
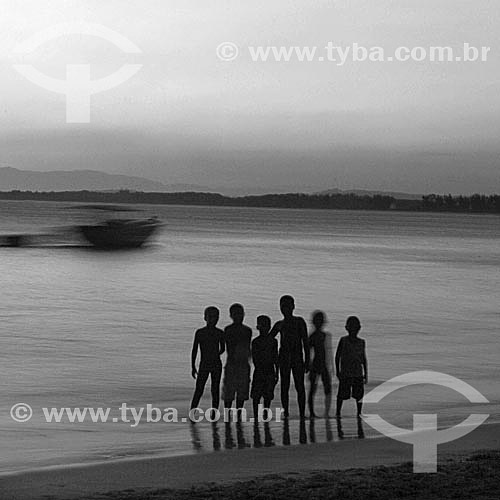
[
  {"x": 136, "y": 478},
  {"x": 476, "y": 476}
]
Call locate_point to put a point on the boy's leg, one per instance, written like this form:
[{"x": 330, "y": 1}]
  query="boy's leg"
[
  {"x": 269, "y": 385},
  {"x": 285, "y": 388},
  {"x": 298, "y": 379},
  {"x": 339, "y": 407},
  {"x": 215, "y": 376},
  {"x": 340, "y": 432},
  {"x": 255, "y": 402},
  {"x": 343, "y": 393},
  {"x": 228, "y": 388},
  {"x": 328, "y": 404},
  {"x": 358, "y": 392},
  {"x": 359, "y": 405},
  {"x": 242, "y": 386},
  {"x": 312, "y": 391},
  {"x": 240, "y": 403},
  {"x": 201, "y": 380}
]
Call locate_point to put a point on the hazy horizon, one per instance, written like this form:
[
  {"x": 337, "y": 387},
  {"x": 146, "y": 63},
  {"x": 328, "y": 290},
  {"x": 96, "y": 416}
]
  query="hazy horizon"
[{"x": 189, "y": 118}]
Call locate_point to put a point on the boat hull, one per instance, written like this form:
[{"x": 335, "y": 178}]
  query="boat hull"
[{"x": 119, "y": 234}]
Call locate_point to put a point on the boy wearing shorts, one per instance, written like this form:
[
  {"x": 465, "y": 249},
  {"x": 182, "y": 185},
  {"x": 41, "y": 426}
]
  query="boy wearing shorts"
[{"x": 351, "y": 366}]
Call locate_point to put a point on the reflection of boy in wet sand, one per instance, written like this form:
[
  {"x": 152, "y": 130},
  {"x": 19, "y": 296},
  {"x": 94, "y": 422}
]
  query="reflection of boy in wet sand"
[
  {"x": 265, "y": 360},
  {"x": 211, "y": 343},
  {"x": 351, "y": 365},
  {"x": 237, "y": 337}
]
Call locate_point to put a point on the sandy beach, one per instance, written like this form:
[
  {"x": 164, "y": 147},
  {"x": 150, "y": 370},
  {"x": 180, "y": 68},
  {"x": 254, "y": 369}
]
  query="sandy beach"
[{"x": 141, "y": 476}]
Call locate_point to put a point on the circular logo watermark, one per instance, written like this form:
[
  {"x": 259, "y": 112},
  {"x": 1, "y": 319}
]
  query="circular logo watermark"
[
  {"x": 425, "y": 436},
  {"x": 78, "y": 86}
]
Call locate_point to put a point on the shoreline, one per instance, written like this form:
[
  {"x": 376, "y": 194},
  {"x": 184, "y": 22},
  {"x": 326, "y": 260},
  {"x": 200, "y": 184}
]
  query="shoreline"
[
  {"x": 369, "y": 433},
  {"x": 372, "y": 434},
  {"x": 146, "y": 474},
  {"x": 402, "y": 205}
]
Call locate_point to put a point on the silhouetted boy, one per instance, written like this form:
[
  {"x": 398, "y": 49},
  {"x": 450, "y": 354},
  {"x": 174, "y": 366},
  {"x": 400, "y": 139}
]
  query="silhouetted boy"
[
  {"x": 319, "y": 366},
  {"x": 211, "y": 343},
  {"x": 265, "y": 360},
  {"x": 351, "y": 365},
  {"x": 294, "y": 347},
  {"x": 237, "y": 337}
]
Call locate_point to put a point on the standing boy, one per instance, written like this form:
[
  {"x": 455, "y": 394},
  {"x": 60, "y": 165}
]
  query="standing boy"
[
  {"x": 351, "y": 366},
  {"x": 211, "y": 343},
  {"x": 237, "y": 337},
  {"x": 319, "y": 367},
  {"x": 265, "y": 360},
  {"x": 294, "y": 347}
]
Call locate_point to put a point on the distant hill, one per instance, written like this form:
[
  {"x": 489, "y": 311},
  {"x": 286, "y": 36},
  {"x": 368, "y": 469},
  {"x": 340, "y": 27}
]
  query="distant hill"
[
  {"x": 363, "y": 192},
  {"x": 73, "y": 180},
  {"x": 93, "y": 180}
]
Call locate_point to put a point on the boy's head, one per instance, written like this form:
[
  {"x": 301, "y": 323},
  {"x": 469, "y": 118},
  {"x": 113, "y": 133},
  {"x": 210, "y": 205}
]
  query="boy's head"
[
  {"x": 318, "y": 319},
  {"x": 353, "y": 325},
  {"x": 287, "y": 305},
  {"x": 237, "y": 313},
  {"x": 211, "y": 315},
  {"x": 263, "y": 324}
]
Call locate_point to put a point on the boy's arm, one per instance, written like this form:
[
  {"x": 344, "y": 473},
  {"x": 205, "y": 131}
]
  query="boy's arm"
[
  {"x": 329, "y": 352},
  {"x": 222, "y": 344},
  {"x": 276, "y": 328},
  {"x": 365, "y": 363},
  {"x": 250, "y": 333},
  {"x": 194, "y": 353},
  {"x": 276, "y": 361},
  {"x": 311, "y": 341},
  {"x": 305, "y": 343},
  {"x": 337, "y": 359}
]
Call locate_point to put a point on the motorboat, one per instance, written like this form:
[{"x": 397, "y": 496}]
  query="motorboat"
[{"x": 120, "y": 233}]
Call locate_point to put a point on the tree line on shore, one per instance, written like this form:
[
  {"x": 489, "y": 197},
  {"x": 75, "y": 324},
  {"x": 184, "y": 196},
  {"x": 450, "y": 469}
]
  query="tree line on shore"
[
  {"x": 346, "y": 201},
  {"x": 475, "y": 203}
]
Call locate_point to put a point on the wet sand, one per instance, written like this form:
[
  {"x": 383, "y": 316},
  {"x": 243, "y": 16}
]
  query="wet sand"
[{"x": 143, "y": 475}]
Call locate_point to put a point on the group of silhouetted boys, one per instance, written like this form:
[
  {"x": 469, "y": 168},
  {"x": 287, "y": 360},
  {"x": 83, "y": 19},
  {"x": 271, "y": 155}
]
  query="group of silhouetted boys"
[{"x": 270, "y": 364}]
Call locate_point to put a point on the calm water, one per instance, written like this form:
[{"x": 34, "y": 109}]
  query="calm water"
[{"x": 83, "y": 328}]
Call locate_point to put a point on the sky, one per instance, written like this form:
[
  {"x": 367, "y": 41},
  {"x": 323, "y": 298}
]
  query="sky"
[{"x": 188, "y": 117}]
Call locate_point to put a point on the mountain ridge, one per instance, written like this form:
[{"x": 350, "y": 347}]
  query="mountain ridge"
[{"x": 12, "y": 179}]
